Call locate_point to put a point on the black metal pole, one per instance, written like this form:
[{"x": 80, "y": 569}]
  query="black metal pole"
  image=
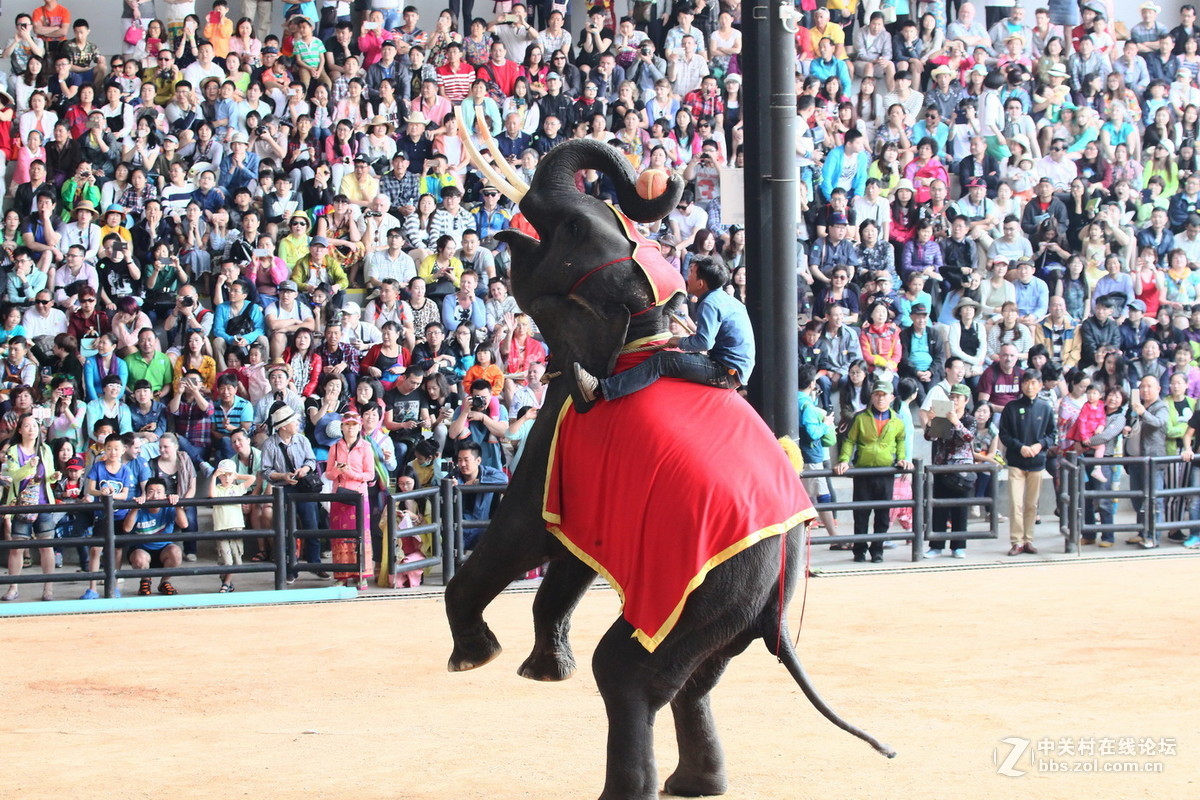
[
  {"x": 449, "y": 550},
  {"x": 783, "y": 378},
  {"x": 279, "y": 519},
  {"x": 918, "y": 512},
  {"x": 759, "y": 212},
  {"x": 770, "y": 198},
  {"x": 111, "y": 557}
]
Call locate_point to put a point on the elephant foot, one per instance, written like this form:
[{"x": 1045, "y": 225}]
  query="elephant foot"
[
  {"x": 548, "y": 666},
  {"x": 706, "y": 784},
  {"x": 475, "y": 650}
]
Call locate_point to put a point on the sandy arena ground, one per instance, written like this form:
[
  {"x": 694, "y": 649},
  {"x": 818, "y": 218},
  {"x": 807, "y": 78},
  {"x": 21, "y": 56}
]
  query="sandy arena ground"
[{"x": 352, "y": 699}]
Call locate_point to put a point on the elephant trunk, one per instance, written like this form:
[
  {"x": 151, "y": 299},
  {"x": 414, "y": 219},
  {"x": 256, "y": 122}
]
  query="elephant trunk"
[{"x": 555, "y": 178}]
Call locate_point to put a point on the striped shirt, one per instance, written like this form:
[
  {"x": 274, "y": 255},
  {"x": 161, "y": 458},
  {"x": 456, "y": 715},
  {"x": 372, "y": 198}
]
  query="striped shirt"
[{"x": 454, "y": 86}]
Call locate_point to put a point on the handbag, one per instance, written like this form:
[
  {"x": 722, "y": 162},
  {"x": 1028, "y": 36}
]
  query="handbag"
[
  {"x": 30, "y": 495},
  {"x": 135, "y": 32},
  {"x": 305, "y": 484},
  {"x": 963, "y": 482},
  {"x": 242, "y": 324}
]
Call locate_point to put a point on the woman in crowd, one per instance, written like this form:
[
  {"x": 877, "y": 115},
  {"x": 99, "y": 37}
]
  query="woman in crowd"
[
  {"x": 28, "y": 476},
  {"x": 351, "y": 468}
]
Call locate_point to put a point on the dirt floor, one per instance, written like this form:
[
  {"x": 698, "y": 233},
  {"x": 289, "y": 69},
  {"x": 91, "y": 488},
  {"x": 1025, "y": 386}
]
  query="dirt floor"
[{"x": 352, "y": 699}]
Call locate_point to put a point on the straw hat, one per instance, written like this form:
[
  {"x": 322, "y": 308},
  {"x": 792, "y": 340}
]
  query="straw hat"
[{"x": 379, "y": 119}]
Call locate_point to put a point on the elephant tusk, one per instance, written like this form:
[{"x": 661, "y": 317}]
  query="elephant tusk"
[
  {"x": 505, "y": 168},
  {"x": 488, "y": 170}
]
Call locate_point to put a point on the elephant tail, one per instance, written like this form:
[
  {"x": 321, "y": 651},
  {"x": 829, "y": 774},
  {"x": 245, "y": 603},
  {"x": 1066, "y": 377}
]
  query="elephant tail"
[{"x": 781, "y": 647}]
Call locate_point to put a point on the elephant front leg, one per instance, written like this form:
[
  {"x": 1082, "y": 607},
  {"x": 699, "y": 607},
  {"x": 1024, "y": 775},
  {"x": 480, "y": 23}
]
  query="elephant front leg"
[
  {"x": 566, "y": 581},
  {"x": 498, "y": 560}
]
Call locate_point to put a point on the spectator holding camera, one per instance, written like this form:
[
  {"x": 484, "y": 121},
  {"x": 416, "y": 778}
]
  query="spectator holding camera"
[{"x": 483, "y": 420}]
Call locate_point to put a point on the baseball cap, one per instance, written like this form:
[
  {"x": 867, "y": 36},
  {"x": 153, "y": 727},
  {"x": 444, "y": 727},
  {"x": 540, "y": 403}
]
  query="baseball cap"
[
  {"x": 270, "y": 49},
  {"x": 76, "y": 462},
  {"x": 288, "y": 286},
  {"x": 882, "y": 386},
  {"x": 838, "y": 219},
  {"x": 918, "y": 308},
  {"x": 976, "y": 181},
  {"x": 1139, "y": 305},
  {"x": 318, "y": 240},
  {"x": 960, "y": 388}
]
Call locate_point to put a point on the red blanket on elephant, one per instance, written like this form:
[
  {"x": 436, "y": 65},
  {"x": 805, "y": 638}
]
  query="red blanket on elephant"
[{"x": 657, "y": 488}]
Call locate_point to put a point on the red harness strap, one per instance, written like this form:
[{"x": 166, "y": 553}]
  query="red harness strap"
[{"x": 575, "y": 286}]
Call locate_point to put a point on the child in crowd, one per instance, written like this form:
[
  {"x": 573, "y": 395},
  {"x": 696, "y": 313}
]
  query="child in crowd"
[
  {"x": 228, "y": 482},
  {"x": 485, "y": 368},
  {"x": 156, "y": 524},
  {"x": 111, "y": 477},
  {"x": 1023, "y": 179},
  {"x": 1091, "y": 419},
  {"x": 70, "y": 489}
]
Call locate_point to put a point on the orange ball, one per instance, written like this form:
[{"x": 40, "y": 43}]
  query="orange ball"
[{"x": 652, "y": 183}]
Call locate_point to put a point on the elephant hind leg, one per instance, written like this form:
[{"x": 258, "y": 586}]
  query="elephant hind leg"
[
  {"x": 701, "y": 768},
  {"x": 634, "y": 689},
  {"x": 566, "y": 581}
]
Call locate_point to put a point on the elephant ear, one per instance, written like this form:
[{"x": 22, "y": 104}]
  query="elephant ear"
[{"x": 580, "y": 330}]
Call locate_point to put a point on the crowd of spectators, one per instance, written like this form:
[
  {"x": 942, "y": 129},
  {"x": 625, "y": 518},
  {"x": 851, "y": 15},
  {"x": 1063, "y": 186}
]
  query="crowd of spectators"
[
  {"x": 239, "y": 244},
  {"x": 239, "y": 253},
  {"x": 1003, "y": 229}
]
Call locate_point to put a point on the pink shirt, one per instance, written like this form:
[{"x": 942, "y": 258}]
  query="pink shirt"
[{"x": 359, "y": 469}]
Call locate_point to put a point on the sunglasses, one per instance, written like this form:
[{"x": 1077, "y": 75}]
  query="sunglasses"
[
  {"x": 87, "y": 300},
  {"x": 42, "y": 302},
  {"x": 491, "y": 194},
  {"x": 299, "y": 224}
]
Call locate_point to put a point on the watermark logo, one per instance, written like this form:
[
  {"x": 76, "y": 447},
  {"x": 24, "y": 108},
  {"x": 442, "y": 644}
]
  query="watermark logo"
[
  {"x": 1007, "y": 764},
  {"x": 1015, "y": 756}
]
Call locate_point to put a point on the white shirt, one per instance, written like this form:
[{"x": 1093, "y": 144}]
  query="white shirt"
[
  {"x": 36, "y": 325},
  {"x": 196, "y": 74}
]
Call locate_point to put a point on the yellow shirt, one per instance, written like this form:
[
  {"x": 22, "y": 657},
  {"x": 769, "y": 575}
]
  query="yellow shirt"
[
  {"x": 425, "y": 271},
  {"x": 292, "y": 249},
  {"x": 359, "y": 192},
  {"x": 835, "y": 33},
  {"x": 219, "y": 35}
]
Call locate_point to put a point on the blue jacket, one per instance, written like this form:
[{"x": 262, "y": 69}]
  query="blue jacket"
[
  {"x": 91, "y": 376},
  {"x": 813, "y": 429},
  {"x": 723, "y": 330},
  {"x": 223, "y": 315},
  {"x": 832, "y": 170},
  {"x": 246, "y": 175}
]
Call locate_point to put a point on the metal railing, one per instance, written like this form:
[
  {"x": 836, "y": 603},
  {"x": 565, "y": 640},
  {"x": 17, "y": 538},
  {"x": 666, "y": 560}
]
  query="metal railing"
[
  {"x": 1150, "y": 519},
  {"x": 284, "y": 536},
  {"x": 921, "y": 504}
]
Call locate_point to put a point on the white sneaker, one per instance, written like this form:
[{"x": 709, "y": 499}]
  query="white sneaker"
[
  {"x": 959, "y": 553},
  {"x": 931, "y": 553}
]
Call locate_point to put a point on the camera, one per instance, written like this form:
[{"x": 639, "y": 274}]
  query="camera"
[
  {"x": 446, "y": 466},
  {"x": 372, "y": 214},
  {"x": 188, "y": 302},
  {"x": 647, "y": 49},
  {"x": 260, "y": 130},
  {"x": 478, "y": 403}
]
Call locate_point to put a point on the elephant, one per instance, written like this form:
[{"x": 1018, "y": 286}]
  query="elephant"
[{"x": 589, "y": 298}]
